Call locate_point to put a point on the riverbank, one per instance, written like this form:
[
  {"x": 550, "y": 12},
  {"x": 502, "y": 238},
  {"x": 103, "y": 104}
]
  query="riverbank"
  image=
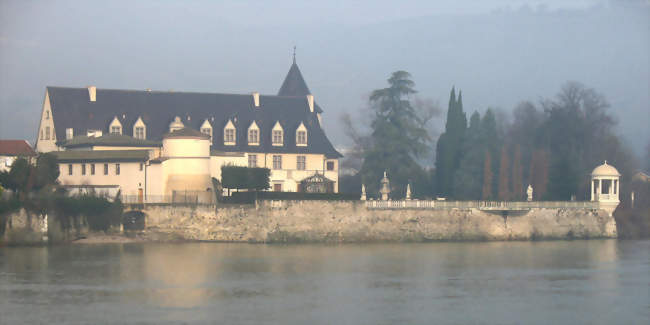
[{"x": 323, "y": 222}]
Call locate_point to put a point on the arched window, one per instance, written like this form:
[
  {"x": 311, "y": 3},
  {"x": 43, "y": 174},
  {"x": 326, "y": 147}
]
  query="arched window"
[
  {"x": 139, "y": 129},
  {"x": 277, "y": 137},
  {"x": 229, "y": 134},
  {"x": 253, "y": 135}
]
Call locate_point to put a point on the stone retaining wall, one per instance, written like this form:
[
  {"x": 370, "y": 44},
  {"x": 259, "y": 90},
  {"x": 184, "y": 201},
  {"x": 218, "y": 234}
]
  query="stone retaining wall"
[{"x": 328, "y": 221}]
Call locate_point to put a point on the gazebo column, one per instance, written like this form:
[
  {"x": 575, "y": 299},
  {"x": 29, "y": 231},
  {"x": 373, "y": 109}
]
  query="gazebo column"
[{"x": 592, "y": 189}]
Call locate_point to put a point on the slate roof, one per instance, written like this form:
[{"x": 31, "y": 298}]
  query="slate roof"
[
  {"x": 116, "y": 140},
  {"x": 101, "y": 155},
  {"x": 16, "y": 148},
  {"x": 294, "y": 85},
  {"x": 71, "y": 108},
  {"x": 186, "y": 133}
]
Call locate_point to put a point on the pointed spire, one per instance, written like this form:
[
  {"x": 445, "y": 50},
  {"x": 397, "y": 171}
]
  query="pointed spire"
[
  {"x": 294, "y": 54},
  {"x": 294, "y": 84}
]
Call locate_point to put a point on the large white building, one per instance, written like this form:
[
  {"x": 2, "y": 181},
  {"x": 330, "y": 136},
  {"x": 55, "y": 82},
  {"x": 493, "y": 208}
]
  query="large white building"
[{"x": 151, "y": 144}]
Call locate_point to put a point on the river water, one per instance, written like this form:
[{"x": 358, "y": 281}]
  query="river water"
[{"x": 558, "y": 282}]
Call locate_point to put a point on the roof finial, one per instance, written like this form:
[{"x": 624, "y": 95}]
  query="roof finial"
[{"x": 294, "y": 54}]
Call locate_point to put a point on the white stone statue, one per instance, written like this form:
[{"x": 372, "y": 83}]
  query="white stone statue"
[
  {"x": 529, "y": 191},
  {"x": 408, "y": 191},
  {"x": 363, "y": 192},
  {"x": 44, "y": 229},
  {"x": 385, "y": 187}
]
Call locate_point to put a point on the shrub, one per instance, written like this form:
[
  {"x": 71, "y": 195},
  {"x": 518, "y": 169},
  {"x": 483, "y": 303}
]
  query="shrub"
[{"x": 245, "y": 178}]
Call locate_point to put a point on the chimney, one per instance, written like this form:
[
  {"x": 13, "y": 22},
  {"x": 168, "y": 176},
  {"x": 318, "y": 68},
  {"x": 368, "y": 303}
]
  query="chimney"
[
  {"x": 92, "y": 93},
  {"x": 256, "y": 99},
  {"x": 310, "y": 101}
]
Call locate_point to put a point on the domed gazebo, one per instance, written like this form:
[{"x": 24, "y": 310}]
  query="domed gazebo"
[{"x": 605, "y": 186}]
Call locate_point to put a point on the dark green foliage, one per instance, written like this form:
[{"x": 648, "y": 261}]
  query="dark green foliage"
[
  {"x": 47, "y": 170},
  {"x": 236, "y": 177},
  {"x": 468, "y": 178},
  {"x": 350, "y": 183},
  {"x": 398, "y": 136},
  {"x": 24, "y": 178},
  {"x": 99, "y": 212},
  {"x": 17, "y": 178},
  {"x": 449, "y": 148}
]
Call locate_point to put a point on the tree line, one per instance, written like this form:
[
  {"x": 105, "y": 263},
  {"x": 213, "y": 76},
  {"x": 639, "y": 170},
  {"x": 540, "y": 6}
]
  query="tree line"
[{"x": 552, "y": 145}]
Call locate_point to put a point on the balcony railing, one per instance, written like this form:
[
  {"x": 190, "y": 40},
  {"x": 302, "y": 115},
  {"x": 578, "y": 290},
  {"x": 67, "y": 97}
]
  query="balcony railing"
[
  {"x": 178, "y": 198},
  {"x": 481, "y": 205}
]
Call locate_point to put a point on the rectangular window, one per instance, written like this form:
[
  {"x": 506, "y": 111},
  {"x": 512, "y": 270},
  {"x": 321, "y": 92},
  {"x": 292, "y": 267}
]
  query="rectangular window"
[
  {"x": 139, "y": 132},
  {"x": 301, "y": 138},
  {"x": 277, "y": 187},
  {"x": 83, "y": 169},
  {"x": 69, "y": 169},
  {"x": 105, "y": 169},
  {"x": 42, "y": 135},
  {"x": 330, "y": 165},
  {"x": 277, "y": 162},
  {"x": 253, "y": 136},
  {"x": 47, "y": 133},
  {"x": 207, "y": 131},
  {"x": 141, "y": 166},
  {"x": 277, "y": 137},
  {"x": 229, "y": 136},
  {"x": 301, "y": 163},
  {"x": 117, "y": 169},
  {"x": 92, "y": 169},
  {"x": 116, "y": 130},
  {"x": 252, "y": 161},
  {"x": 47, "y": 115}
]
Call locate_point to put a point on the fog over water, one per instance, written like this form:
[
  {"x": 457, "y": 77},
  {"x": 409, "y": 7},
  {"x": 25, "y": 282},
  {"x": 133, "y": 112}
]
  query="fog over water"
[{"x": 497, "y": 52}]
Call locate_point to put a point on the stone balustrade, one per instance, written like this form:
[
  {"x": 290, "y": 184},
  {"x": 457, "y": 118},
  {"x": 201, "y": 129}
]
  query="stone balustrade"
[{"x": 481, "y": 205}]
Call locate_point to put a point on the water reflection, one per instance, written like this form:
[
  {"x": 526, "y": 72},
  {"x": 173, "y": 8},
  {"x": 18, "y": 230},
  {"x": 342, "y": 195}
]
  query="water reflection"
[{"x": 504, "y": 282}]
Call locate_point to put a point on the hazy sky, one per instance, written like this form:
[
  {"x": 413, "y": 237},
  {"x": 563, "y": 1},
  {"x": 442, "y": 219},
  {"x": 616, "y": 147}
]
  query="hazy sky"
[{"x": 498, "y": 52}]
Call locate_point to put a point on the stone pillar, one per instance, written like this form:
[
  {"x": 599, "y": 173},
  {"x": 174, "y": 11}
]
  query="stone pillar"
[{"x": 592, "y": 189}]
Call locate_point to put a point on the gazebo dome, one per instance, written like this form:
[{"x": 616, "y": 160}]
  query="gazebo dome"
[{"x": 605, "y": 170}]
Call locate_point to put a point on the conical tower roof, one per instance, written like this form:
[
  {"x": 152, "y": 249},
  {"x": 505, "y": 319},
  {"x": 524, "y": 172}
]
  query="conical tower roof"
[{"x": 294, "y": 84}]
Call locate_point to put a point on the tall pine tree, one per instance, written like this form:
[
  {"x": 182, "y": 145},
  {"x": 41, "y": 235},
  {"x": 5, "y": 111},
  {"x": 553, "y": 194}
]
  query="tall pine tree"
[{"x": 397, "y": 137}]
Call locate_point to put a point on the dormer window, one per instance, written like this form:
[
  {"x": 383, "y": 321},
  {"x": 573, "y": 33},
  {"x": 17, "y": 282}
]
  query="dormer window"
[
  {"x": 116, "y": 126},
  {"x": 276, "y": 135},
  {"x": 229, "y": 134},
  {"x": 206, "y": 129},
  {"x": 47, "y": 115},
  {"x": 301, "y": 136},
  {"x": 69, "y": 133},
  {"x": 176, "y": 124},
  {"x": 253, "y": 135},
  {"x": 139, "y": 129}
]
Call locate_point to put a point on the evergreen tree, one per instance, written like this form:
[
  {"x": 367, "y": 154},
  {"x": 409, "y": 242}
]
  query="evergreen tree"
[
  {"x": 398, "y": 136},
  {"x": 469, "y": 175},
  {"x": 487, "y": 177},
  {"x": 449, "y": 147}
]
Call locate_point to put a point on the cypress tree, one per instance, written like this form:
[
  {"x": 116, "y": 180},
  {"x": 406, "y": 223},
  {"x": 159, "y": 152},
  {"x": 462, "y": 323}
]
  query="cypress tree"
[{"x": 449, "y": 147}]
